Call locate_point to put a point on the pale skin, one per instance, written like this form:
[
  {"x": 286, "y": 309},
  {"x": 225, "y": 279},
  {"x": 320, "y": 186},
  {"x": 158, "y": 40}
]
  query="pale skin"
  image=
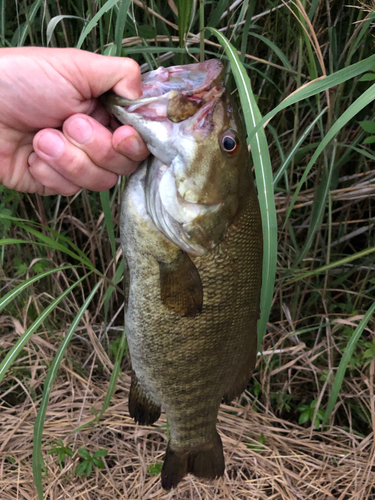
[{"x": 54, "y": 136}]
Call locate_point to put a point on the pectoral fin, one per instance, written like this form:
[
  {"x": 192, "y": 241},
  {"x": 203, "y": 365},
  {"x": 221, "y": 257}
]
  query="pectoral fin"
[{"x": 181, "y": 286}]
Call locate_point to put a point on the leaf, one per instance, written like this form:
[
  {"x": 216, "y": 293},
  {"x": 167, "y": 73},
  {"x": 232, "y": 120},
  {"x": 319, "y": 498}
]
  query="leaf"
[
  {"x": 22, "y": 31},
  {"x": 17, "y": 348},
  {"x": 367, "y": 77},
  {"x": 369, "y": 140},
  {"x": 294, "y": 150},
  {"x": 98, "y": 463},
  {"x": 319, "y": 85},
  {"x": 88, "y": 468},
  {"x": 106, "y": 205},
  {"x": 273, "y": 47},
  {"x": 8, "y": 297},
  {"x": 81, "y": 469},
  {"x": 115, "y": 373},
  {"x": 346, "y": 357},
  {"x": 264, "y": 179},
  {"x": 120, "y": 25},
  {"x": 55, "y": 21},
  {"x": 101, "y": 453},
  {"x": 94, "y": 21},
  {"x": 304, "y": 417},
  {"x": 155, "y": 469},
  {"x": 51, "y": 375},
  {"x": 184, "y": 8},
  {"x": 332, "y": 265},
  {"x": 146, "y": 31},
  {"x": 362, "y": 101},
  {"x": 84, "y": 453},
  {"x": 368, "y": 126}
]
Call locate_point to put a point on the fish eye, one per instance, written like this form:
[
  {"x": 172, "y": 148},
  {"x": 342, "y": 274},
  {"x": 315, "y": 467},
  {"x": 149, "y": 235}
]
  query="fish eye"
[{"x": 229, "y": 143}]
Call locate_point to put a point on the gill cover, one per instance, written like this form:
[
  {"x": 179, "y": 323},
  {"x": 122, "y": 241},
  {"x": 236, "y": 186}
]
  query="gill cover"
[{"x": 171, "y": 214}]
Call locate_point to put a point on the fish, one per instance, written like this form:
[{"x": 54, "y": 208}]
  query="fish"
[{"x": 191, "y": 235}]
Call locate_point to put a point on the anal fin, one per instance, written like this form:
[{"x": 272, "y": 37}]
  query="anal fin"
[
  {"x": 141, "y": 407},
  {"x": 181, "y": 286}
]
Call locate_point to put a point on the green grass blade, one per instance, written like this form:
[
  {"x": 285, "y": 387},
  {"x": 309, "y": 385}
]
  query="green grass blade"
[
  {"x": 53, "y": 244},
  {"x": 38, "y": 462},
  {"x": 120, "y": 25},
  {"x": 54, "y": 22},
  {"x": 367, "y": 97},
  {"x": 47, "y": 241},
  {"x": 16, "y": 349},
  {"x": 14, "y": 241},
  {"x": 94, "y": 21},
  {"x": 274, "y": 48},
  {"x": 2, "y": 18},
  {"x": 106, "y": 205},
  {"x": 264, "y": 178},
  {"x": 333, "y": 265},
  {"x": 30, "y": 18},
  {"x": 4, "y": 301},
  {"x": 219, "y": 10},
  {"x": 318, "y": 208},
  {"x": 246, "y": 29},
  {"x": 184, "y": 8},
  {"x": 117, "y": 277},
  {"x": 201, "y": 30},
  {"x": 294, "y": 150},
  {"x": 115, "y": 374},
  {"x": 319, "y": 85},
  {"x": 348, "y": 353}
]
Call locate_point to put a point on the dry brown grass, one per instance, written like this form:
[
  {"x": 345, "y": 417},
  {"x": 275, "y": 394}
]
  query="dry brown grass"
[{"x": 294, "y": 463}]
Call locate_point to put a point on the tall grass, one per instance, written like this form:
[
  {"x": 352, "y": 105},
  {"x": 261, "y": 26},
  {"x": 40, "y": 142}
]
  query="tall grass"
[{"x": 303, "y": 76}]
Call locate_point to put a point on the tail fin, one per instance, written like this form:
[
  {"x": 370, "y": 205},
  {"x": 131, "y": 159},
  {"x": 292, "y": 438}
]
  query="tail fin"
[{"x": 204, "y": 461}]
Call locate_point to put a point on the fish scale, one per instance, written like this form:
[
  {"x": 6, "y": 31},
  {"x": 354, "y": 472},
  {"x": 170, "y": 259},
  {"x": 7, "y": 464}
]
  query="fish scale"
[
  {"x": 165, "y": 346},
  {"x": 194, "y": 287}
]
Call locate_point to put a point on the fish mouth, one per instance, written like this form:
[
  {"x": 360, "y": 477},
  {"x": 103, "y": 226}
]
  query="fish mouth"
[
  {"x": 176, "y": 93},
  {"x": 191, "y": 80}
]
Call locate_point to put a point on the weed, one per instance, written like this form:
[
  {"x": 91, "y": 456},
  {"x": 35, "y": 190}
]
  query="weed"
[
  {"x": 61, "y": 450},
  {"x": 89, "y": 461},
  {"x": 155, "y": 469}
]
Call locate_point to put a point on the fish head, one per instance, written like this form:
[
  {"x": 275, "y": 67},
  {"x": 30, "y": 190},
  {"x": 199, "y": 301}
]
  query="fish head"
[{"x": 192, "y": 128}]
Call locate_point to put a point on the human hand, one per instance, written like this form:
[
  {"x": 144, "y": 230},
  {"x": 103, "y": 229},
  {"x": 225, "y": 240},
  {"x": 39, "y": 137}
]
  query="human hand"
[{"x": 43, "y": 90}]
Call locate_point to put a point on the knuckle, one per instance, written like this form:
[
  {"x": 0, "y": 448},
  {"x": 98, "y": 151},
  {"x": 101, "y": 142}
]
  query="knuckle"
[
  {"x": 133, "y": 67},
  {"x": 73, "y": 167}
]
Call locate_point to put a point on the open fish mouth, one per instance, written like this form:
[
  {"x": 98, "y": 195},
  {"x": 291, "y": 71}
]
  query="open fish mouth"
[{"x": 177, "y": 93}]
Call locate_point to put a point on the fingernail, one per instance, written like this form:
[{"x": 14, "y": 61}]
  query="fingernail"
[
  {"x": 131, "y": 145},
  {"x": 51, "y": 144},
  {"x": 33, "y": 156},
  {"x": 79, "y": 129}
]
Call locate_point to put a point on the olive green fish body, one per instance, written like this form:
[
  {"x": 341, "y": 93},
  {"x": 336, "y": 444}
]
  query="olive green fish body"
[{"x": 192, "y": 239}]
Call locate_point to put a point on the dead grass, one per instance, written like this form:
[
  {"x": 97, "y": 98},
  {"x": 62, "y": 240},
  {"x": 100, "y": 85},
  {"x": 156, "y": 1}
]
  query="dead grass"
[{"x": 293, "y": 463}]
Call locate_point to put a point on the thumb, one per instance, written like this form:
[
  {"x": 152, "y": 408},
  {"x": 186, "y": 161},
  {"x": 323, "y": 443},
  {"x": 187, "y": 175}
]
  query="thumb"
[{"x": 96, "y": 74}]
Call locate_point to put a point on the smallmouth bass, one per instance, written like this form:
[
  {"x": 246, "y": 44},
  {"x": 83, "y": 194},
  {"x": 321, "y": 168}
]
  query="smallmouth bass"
[{"x": 192, "y": 238}]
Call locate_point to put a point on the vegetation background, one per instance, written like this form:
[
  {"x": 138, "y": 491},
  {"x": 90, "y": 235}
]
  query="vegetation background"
[{"x": 305, "y": 426}]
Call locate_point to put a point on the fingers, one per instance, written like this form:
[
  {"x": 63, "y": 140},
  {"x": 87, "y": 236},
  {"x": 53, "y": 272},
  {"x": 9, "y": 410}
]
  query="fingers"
[
  {"x": 128, "y": 142},
  {"x": 85, "y": 155},
  {"x": 50, "y": 179},
  {"x": 94, "y": 74},
  {"x": 121, "y": 157}
]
